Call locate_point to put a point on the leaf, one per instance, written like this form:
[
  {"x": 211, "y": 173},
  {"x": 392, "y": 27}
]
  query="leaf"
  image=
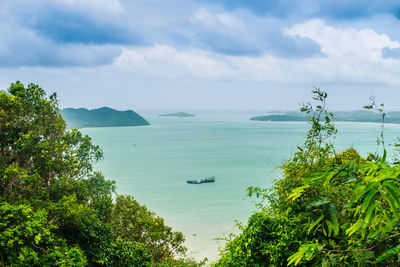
[
  {"x": 368, "y": 198},
  {"x": 315, "y": 178},
  {"x": 368, "y": 214},
  {"x": 387, "y": 254},
  {"x": 317, "y": 202},
  {"x": 383, "y": 159},
  {"x": 297, "y": 192},
  {"x": 393, "y": 205},
  {"x": 306, "y": 251},
  {"x": 390, "y": 179},
  {"x": 330, "y": 227},
  {"x": 354, "y": 228},
  {"x": 360, "y": 191},
  {"x": 296, "y": 257},
  {"x": 392, "y": 192},
  {"x": 329, "y": 178},
  {"x": 334, "y": 218},
  {"x": 314, "y": 223}
]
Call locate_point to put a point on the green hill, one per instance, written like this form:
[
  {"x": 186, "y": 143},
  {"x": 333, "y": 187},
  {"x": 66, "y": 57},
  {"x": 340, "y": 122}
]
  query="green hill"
[
  {"x": 101, "y": 117},
  {"x": 355, "y": 116}
]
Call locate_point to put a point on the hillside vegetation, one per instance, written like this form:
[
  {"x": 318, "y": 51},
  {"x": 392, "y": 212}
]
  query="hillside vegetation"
[
  {"x": 351, "y": 116},
  {"x": 101, "y": 117},
  {"x": 329, "y": 209},
  {"x": 55, "y": 210}
]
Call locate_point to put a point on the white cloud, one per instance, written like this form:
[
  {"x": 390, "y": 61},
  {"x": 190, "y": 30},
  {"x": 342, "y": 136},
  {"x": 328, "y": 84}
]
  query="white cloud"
[
  {"x": 108, "y": 6},
  {"x": 167, "y": 61},
  {"x": 348, "y": 42},
  {"x": 222, "y": 21},
  {"x": 357, "y": 62}
]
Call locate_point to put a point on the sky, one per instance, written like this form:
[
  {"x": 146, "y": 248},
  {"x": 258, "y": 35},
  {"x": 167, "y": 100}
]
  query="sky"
[{"x": 188, "y": 55}]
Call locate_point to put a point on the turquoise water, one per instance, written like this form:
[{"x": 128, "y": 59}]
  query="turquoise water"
[{"x": 152, "y": 163}]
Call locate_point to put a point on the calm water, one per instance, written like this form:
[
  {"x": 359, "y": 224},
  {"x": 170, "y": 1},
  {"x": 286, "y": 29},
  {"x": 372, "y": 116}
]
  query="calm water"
[{"x": 152, "y": 163}]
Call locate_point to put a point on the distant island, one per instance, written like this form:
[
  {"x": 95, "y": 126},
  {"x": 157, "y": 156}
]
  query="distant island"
[
  {"x": 351, "y": 116},
  {"x": 178, "y": 114},
  {"x": 101, "y": 117}
]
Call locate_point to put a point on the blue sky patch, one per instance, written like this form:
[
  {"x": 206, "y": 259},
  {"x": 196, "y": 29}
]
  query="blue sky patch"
[{"x": 66, "y": 25}]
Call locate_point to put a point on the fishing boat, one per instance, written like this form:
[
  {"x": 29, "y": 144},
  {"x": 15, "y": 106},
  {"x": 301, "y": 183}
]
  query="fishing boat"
[{"x": 201, "y": 181}]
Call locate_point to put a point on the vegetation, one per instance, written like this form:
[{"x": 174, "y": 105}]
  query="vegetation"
[
  {"x": 55, "y": 210},
  {"x": 101, "y": 117},
  {"x": 356, "y": 116},
  {"x": 330, "y": 209},
  {"x": 178, "y": 114}
]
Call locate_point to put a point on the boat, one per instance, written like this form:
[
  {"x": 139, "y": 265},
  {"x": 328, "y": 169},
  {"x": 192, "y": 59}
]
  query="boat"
[{"x": 201, "y": 181}]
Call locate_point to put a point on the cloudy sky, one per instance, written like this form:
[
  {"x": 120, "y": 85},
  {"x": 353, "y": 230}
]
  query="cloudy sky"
[{"x": 203, "y": 54}]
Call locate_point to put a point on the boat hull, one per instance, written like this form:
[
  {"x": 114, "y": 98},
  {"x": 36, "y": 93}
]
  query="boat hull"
[{"x": 201, "y": 181}]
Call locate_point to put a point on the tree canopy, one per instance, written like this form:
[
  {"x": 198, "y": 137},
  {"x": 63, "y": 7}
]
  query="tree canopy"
[{"x": 55, "y": 209}]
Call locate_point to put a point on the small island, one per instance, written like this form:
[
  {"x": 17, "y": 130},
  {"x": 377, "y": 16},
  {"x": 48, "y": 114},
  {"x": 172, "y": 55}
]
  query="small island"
[
  {"x": 101, "y": 117},
  {"x": 178, "y": 115}
]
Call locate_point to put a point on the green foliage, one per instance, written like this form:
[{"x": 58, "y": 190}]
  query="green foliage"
[
  {"x": 265, "y": 241},
  {"x": 134, "y": 222},
  {"x": 54, "y": 209},
  {"x": 306, "y": 252},
  {"x": 126, "y": 253},
  {"x": 387, "y": 254},
  {"x": 27, "y": 238},
  {"x": 182, "y": 262},
  {"x": 330, "y": 209}
]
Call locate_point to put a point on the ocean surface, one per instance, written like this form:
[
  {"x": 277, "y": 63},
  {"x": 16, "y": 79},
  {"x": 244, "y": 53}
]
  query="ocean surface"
[{"x": 152, "y": 163}]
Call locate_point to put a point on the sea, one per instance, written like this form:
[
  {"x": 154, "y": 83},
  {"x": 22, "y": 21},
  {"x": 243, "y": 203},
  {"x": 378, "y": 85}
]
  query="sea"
[{"x": 152, "y": 163}]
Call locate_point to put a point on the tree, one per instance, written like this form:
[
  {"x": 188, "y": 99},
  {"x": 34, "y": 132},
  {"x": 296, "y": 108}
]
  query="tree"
[
  {"x": 134, "y": 222},
  {"x": 27, "y": 238},
  {"x": 54, "y": 209}
]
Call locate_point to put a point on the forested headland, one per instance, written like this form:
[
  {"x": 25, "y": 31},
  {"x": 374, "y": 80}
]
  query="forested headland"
[
  {"x": 345, "y": 116},
  {"x": 101, "y": 117}
]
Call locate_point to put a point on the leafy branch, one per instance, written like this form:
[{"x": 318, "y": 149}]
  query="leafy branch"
[
  {"x": 322, "y": 127},
  {"x": 379, "y": 108}
]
